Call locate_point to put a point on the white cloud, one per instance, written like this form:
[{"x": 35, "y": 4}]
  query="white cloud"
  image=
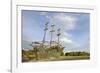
[
  {"x": 65, "y": 21},
  {"x": 65, "y": 40}
]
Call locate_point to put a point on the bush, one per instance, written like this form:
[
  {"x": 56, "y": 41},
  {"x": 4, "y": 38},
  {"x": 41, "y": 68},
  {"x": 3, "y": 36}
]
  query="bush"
[{"x": 77, "y": 54}]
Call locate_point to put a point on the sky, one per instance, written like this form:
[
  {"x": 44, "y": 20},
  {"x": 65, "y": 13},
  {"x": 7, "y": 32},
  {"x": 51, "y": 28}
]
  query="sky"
[{"x": 75, "y": 28}]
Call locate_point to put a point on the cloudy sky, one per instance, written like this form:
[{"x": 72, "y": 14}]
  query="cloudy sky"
[{"x": 75, "y": 28}]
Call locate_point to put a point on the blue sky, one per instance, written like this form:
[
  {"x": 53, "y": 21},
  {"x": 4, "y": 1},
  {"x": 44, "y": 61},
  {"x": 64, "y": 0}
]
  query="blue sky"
[{"x": 75, "y": 28}]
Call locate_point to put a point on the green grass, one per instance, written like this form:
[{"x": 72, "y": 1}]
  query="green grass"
[{"x": 62, "y": 58}]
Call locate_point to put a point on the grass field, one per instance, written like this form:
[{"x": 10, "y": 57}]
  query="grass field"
[
  {"x": 73, "y": 58},
  {"x": 63, "y": 58}
]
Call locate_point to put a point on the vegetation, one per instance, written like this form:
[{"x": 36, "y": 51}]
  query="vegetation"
[
  {"x": 53, "y": 53},
  {"x": 77, "y": 54}
]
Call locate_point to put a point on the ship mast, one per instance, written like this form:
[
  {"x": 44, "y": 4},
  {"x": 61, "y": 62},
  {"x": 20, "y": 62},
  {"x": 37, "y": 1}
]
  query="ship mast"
[
  {"x": 58, "y": 34},
  {"x": 45, "y": 30},
  {"x": 52, "y": 30}
]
